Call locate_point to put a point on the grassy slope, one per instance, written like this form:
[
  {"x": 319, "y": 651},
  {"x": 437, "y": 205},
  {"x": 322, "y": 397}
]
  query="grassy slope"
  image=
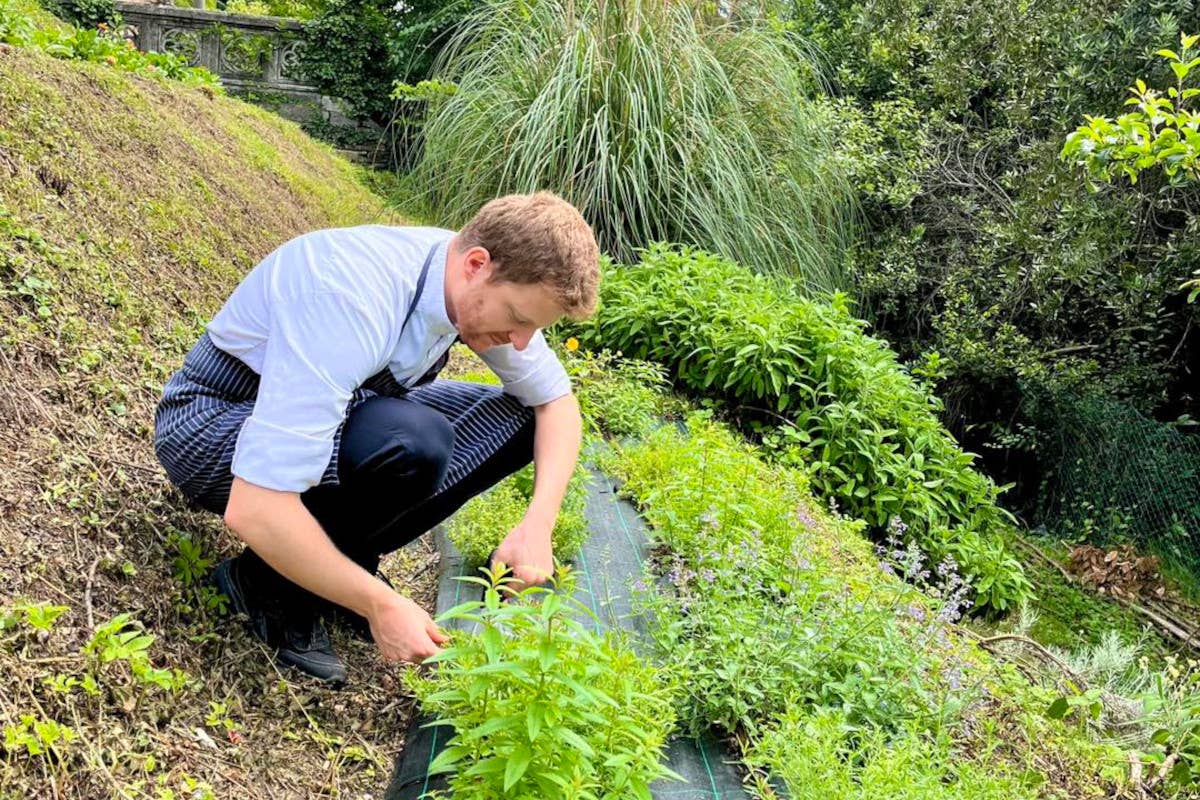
[{"x": 129, "y": 208}]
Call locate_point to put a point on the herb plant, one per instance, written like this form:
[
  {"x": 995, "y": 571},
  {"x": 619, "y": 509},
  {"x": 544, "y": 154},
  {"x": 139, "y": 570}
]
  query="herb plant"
[
  {"x": 480, "y": 525},
  {"x": 541, "y": 705},
  {"x": 838, "y": 403}
]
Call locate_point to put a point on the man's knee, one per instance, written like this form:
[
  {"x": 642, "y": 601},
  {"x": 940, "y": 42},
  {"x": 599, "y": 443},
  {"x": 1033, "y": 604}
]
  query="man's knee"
[{"x": 396, "y": 439}]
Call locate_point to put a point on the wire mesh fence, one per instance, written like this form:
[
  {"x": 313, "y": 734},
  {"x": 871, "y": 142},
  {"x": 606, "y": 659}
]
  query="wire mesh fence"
[{"x": 1114, "y": 476}]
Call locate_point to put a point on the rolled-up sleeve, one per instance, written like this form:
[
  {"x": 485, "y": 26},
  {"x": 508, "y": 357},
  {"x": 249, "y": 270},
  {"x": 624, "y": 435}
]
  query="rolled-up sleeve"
[
  {"x": 534, "y": 375},
  {"x": 322, "y": 345}
]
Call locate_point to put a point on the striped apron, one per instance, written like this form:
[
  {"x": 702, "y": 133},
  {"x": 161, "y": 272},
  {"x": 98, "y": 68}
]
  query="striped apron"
[{"x": 206, "y": 402}]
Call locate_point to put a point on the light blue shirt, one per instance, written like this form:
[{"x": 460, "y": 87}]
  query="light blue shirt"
[{"x": 322, "y": 314}]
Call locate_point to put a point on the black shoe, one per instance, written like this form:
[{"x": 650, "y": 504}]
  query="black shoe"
[{"x": 296, "y": 633}]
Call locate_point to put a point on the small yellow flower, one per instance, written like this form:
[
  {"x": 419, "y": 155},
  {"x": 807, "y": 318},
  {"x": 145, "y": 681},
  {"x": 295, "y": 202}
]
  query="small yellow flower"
[{"x": 572, "y": 344}]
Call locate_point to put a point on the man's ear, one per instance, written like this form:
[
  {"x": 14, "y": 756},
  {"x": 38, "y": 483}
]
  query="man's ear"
[{"x": 475, "y": 260}]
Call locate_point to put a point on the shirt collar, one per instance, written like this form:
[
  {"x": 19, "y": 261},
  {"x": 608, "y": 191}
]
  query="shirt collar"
[{"x": 432, "y": 303}]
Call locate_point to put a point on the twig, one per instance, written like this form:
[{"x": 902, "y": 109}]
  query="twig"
[
  {"x": 1037, "y": 551},
  {"x": 1037, "y": 647},
  {"x": 1175, "y": 601},
  {"x": 1135, "y": 773},
  {"x": 87, "y": 595},
  {"x": 1186, "y": 636}
]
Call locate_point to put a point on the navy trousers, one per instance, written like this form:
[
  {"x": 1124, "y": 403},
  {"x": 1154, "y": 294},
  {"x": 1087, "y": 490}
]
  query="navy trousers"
[{"x": 403, "y": 460}]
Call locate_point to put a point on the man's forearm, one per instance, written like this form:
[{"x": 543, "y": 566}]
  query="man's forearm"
[
  {"x": 280, "y": 529},
  {"x": 556, "y": 441}
]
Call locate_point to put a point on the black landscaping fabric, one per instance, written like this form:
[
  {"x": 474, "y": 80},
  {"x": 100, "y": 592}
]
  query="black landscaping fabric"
[{"x": 608, "y": 565}]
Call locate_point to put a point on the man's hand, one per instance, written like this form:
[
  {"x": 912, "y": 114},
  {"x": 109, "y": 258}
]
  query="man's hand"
[
  {"x": 404, "y": 631},
  {"x": 527, "y": 552}
]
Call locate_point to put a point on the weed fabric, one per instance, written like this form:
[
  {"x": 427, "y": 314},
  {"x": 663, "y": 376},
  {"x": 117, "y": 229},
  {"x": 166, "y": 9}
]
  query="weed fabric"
[{"x": 608, "y": 564}]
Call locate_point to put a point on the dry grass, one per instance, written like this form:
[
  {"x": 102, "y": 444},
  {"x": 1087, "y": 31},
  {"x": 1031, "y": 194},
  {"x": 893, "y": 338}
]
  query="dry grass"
[{"x": 129, "y": 209}]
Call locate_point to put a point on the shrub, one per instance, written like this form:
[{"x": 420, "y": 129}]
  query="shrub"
[
  {"x": 84, "y": 13},
  {"x": 780, "y": 616},
  {"x": 865, "y": 432},
  {"x": 818, "y": 753},
  {"x": 1160, "y": 132},
  {"x": 978, "y": 241},
  {"x": 478, "y": 527},
  {"x": 348, "y": 53},
  {"x": 618, "y": 396},
  {"x": 541, "y": 705},
  {"x": 657, "y": 119}
]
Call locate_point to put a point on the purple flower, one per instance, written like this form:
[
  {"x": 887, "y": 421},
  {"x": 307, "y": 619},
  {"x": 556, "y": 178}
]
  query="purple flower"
[{"x": 803, "y": 516}]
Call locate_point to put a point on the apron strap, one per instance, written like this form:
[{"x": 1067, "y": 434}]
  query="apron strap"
[{"x": 420, "y": 288}]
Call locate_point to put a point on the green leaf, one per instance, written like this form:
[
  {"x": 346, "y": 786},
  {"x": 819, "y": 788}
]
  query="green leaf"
[
  {"x": 534, "y": 716},
  {"x": 1058, "y": 709},
  {"x": 446, "y": 760},
  {"x": 518, "y": 762}
]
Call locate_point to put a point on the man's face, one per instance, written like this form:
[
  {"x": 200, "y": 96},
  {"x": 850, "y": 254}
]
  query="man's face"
[{"x": 493, "y": 313}]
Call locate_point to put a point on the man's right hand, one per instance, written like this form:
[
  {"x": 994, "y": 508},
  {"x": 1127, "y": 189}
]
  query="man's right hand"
[{"x": 404, "y": 631}]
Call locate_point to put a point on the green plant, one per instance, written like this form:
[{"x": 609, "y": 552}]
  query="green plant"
[
  {"x": 1160, "y": 132},
  {"x": 1087, "y": 705},
  {"x": 190, "y": 563},
  {"x": 819, "y": 753},
  {"x": 1173, "y": 709},
  {"x": 658, "y": 120},
  {"x": 45, "y": 738},
  {"x": 854, "y": 420},
  {"x": 84, "y": 13},
  {"x": 123, "y": 639},
  {"x": 838, "y": 679},
  {"x": 39, "y": 616},
  {"x": 479, "y": 526},
  {"x": 617, "y": 396},
  {"x": 100, "y": 44},
  {"x": 348, "y": 53},
  {"x": 1194, "y": 286},
  {"x": 541, "y": 705}
]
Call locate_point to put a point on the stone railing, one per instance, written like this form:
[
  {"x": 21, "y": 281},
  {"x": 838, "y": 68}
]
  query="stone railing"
[
  {"x": 243, "y": 49},
  {"x": 256, "y": 57}
]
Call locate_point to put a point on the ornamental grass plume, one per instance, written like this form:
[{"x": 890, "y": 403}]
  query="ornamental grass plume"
[{"x": 660, "y": 121}]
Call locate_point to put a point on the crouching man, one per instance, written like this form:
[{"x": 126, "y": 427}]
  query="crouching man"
[{"x": 308, "y": 414}]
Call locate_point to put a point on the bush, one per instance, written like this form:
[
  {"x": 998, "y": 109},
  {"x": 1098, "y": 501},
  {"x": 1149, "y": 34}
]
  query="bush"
[
  {"x": 479, "y": 526},
  {"x": 617, "y": 396},
  {"x": 862, "y": 428},
  {"x": 540, "y": 702},
  {"x": 658, "y": 120},
  {"x": 978, "y": 241},
  {"x": 348, "y": 53},
  {"x": 779, "y": 616},
  {"x": 1160, "y": 131},
  {"x": 84, "y": 13}
]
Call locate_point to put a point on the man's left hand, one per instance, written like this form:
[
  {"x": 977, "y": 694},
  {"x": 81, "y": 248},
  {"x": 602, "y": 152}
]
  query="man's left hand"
[{"x": 526, "y": 550}]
